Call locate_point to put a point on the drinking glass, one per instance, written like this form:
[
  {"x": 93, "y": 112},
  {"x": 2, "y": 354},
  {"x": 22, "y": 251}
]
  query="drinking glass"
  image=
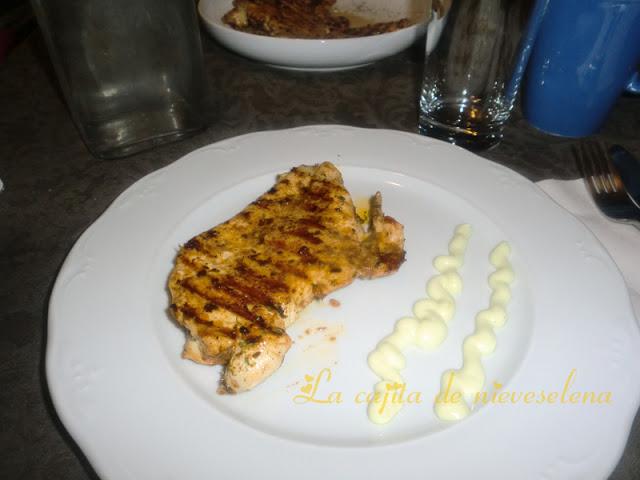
[
  {"x": 131, "y": 70},
  {"x": 466, "y": 95}
]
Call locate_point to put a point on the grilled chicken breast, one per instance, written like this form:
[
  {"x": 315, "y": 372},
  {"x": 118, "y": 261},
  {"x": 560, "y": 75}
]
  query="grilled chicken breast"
[
  {"x": 236, "y": 287},
  {"x": 300, "y": 19}
]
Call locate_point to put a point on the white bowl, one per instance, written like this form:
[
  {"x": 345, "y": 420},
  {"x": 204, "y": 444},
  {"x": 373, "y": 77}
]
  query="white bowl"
[{"x": 331, "y": 54}]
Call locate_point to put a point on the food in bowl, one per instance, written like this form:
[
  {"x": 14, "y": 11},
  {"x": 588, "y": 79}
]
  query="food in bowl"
[{"x": 312, "y": 19}]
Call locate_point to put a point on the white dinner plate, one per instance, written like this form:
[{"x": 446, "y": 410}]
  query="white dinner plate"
[
  {"x": 139, "y": 411},
  {"x": 330, "y": 54}
]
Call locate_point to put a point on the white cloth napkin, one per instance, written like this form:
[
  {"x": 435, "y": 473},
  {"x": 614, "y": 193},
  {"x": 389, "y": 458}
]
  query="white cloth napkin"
[{"x": 622, "y": 241}]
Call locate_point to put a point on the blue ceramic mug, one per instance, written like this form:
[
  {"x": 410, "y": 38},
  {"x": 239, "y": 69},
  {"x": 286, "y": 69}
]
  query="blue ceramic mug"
[{"x": 585, "y": 54}]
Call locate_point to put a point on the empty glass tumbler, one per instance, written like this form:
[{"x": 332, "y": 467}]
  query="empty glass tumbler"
[
  {"x": 131, "y": 70},
  {"x": 468, "y": 90}
]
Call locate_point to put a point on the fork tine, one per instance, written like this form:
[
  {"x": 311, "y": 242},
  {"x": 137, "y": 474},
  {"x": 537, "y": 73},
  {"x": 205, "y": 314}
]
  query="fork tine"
[
  {"x": 596, "y": 166},
  {"x": 592, "y": 166},
  {"x": 612, "y": 172},
  {"x": 599, "y": 157},
  {"x": 616, "y": 180},
  {"x": 586, "y": 169},
  {"x": 583, "y": 166},
  {"x": 602, "y": 157}
]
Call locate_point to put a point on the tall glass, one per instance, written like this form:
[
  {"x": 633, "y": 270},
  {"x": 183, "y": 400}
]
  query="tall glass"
[
  {"x": 465, "y": 98},
  {"x": 131, "y": 70}
]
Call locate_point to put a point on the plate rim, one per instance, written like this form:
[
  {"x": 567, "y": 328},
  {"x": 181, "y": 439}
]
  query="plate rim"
[{"x": 68, "y": 419}]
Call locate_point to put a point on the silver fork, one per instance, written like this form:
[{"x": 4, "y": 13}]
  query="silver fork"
[{"x": 604, "y": 183}]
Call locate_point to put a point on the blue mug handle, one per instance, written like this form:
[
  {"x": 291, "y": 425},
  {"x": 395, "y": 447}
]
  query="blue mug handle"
[{"x": 634, "y": 84}]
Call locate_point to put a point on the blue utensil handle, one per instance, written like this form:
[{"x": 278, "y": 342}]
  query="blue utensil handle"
[
  {"x": 628, "y": 167},
  {"x": 634, "y": 84}
]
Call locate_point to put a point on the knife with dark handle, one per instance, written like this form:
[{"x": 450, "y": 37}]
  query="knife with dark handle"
[{"x": 628, "y": 167}]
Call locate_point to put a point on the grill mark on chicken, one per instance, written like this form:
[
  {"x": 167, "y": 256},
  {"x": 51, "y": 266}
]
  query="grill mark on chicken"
[
  {"x": 305, "y": 255},
  {"x": 311, "y": 222},
  {"x": 283, "y": 267},
  {"x": 269, "y": 283},
  {"x": 265, "y": 221},
  {"x": 256, "y": 295},
  {"x": 216, "y": 329},
  {"x": 193, "y": 244},
  {"x": 280, "y": 269},
  {"x": 305, "y": 235},
  {"x": 252, "y": 274},
  {"x": 210, "y": 307},
  {"x": 317, "y": 195},
  {"x": 226, "y": 302},
  {"x": 247, "y": 297},
  {"x": 193, "y": 315}
]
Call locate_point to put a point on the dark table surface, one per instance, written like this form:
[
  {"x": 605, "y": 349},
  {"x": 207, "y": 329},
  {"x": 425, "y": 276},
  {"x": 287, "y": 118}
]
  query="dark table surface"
[{"x": 54, "y": 190}]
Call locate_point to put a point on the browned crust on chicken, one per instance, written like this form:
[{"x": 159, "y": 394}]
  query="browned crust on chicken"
[
  {"x": 237, "y": 286},
  {"x": 300, "y": 19}
]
